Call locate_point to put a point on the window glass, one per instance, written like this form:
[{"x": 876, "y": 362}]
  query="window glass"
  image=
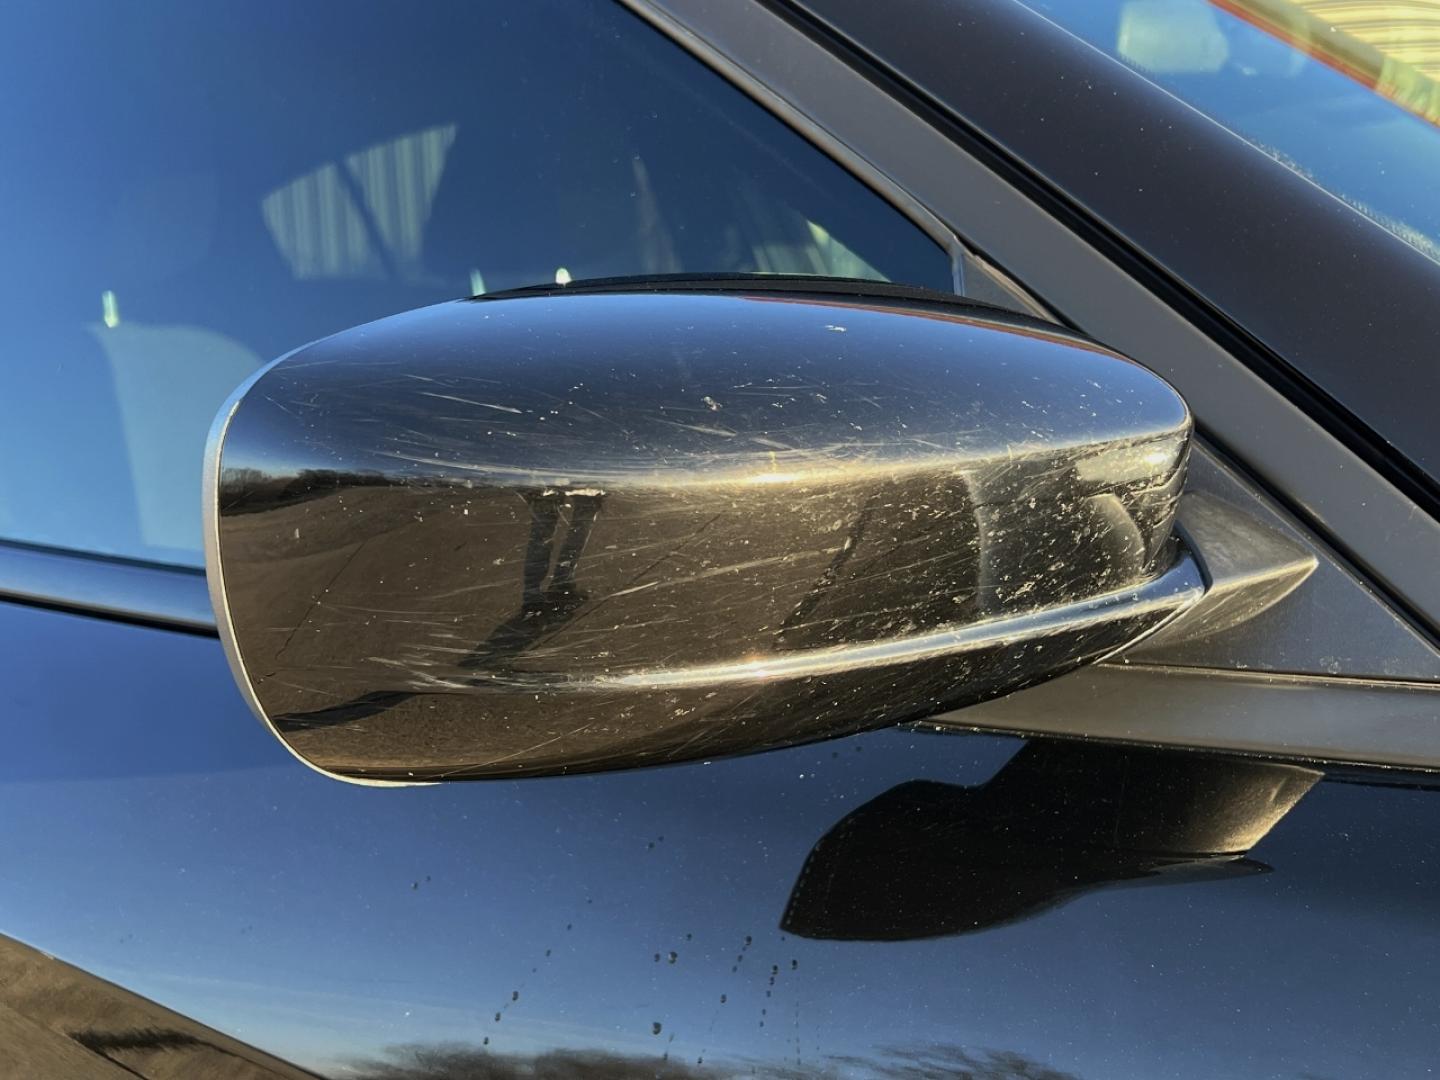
[
  {"x": 1344, "y": 92},
  {"x": 188, "y": 190}
]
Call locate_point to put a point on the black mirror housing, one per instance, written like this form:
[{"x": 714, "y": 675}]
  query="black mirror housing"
[{"x": 585, "y": 530}]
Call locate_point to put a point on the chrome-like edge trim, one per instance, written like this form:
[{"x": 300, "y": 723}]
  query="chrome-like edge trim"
[{"x": 169, "y": 596}]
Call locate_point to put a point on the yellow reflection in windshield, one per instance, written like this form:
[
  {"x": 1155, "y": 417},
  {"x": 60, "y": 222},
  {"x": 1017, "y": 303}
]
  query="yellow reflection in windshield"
[{"x": 1391, "y": 47}]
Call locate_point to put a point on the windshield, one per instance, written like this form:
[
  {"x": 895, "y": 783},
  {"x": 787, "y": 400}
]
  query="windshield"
[{"x": 1343, "y": 92}]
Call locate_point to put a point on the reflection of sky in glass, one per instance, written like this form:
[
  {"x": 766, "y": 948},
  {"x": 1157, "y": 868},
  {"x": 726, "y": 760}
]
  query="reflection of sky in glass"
[
  {"x": 1327, "y": 125},
  {"x": 169, "y": 843}
]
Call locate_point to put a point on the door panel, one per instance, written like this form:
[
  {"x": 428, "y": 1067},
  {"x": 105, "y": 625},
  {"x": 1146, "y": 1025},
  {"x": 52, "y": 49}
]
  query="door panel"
[{"x": 160, "y": 839}]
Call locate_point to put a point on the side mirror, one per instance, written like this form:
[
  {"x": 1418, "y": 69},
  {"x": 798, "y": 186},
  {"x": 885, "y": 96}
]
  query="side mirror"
[{"x": 591, "y": 528}]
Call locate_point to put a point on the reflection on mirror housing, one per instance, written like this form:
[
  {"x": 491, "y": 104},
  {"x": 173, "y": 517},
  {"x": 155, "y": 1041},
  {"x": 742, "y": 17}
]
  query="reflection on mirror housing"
[{"x": 591, "y": 529}]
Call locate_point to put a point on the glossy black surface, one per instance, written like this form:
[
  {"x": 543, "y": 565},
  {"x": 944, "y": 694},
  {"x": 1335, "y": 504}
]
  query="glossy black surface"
[
  {"x": 1059, "y": 819},
  {"x": 161, "y": 839},
  {"x": 1327, "y": 305},
  {"x": 586, "y": 530}
]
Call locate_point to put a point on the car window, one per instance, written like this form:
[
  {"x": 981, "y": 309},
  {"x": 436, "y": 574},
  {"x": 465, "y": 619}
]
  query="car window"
[
  {"x": 1347, "y": 94},
  {"x": 190, "y": 190}
]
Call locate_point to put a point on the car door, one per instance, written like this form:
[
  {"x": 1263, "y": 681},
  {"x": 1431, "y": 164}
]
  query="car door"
[{"x": 191, "y": 192}]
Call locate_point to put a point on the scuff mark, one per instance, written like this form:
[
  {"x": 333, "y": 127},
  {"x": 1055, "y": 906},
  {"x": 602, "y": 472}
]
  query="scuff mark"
[{"x": 469, "y": 401}]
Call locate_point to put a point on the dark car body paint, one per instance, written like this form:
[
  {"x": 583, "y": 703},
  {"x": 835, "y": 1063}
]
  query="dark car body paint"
[{"x": 160, "y": 838}]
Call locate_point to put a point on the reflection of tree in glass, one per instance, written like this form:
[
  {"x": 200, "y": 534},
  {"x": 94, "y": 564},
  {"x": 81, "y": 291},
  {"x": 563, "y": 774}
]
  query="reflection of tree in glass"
[{"x": 932, "y": 1062}]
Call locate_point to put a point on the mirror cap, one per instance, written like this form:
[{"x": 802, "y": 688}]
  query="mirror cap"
[{"x": 574, "y": 531}]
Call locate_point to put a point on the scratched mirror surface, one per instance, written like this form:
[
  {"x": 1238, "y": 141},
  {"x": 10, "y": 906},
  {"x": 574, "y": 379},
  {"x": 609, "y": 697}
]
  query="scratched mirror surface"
[{"x": 582, "y": 529}]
